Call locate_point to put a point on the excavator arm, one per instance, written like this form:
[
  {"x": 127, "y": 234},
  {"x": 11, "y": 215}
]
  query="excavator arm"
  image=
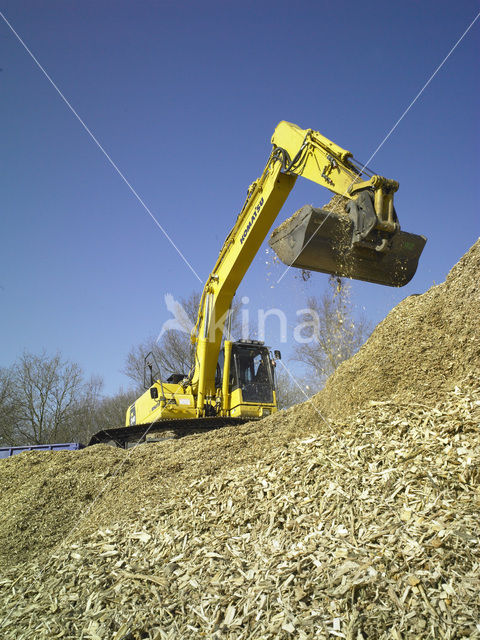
[
  {"x": 370, "y": 226},
  {"x": 312, "y": 156}
]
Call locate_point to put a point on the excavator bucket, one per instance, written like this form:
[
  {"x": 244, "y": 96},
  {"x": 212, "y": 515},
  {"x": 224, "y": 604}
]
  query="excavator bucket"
[{"x": 320, "y": 240}]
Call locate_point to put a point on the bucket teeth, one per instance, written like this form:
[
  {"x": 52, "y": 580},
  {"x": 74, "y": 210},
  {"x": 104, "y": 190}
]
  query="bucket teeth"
[{"x": 319, "y": 240}]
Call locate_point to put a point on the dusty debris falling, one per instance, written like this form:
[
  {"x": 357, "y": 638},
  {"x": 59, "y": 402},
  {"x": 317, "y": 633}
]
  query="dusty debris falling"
[{"x": 365, "y": 526}]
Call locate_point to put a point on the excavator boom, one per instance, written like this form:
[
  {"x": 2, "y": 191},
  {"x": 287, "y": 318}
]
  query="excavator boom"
[{"x": 364, "y": 243}]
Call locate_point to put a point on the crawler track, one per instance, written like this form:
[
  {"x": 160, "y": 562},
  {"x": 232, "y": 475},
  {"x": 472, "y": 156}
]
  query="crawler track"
[{"x": 154, "y": 431}]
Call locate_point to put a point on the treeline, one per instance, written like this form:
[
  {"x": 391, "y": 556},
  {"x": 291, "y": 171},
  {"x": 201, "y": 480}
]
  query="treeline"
[{"x": 48, "y": 399}]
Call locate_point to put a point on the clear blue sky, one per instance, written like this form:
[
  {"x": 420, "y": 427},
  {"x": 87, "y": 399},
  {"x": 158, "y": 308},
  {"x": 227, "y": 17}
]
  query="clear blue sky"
[{"x": 185, "y": 96}]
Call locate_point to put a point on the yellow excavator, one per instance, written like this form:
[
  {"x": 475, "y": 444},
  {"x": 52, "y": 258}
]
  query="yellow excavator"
[{"x": 235, "y": 383}]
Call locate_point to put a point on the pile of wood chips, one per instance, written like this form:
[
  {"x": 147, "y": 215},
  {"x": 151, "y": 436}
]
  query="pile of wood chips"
[
  {"x": 368, "y": 529},
  {"x": 336, "y": 205},
  {"x": 420, "y": 351},
  {"x": 360, "y": 524}
]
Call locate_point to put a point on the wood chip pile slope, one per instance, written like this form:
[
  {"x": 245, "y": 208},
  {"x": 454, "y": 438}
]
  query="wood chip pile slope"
[
  {"x": 369, "y": 530},
  {"x": 422, "y": 349},
  {"x": 360, "y": 527}
]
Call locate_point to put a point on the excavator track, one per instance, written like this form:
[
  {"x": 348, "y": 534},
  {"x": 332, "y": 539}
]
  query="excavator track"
[{"x": 129, "y": 436}]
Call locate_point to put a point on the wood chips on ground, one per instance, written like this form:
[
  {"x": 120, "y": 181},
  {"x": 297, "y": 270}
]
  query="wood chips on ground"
[{"x": 365, "y": 526}]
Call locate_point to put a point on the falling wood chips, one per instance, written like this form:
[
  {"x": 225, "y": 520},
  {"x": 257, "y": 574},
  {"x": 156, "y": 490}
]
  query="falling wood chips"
[{"x": 366, "y": 526}]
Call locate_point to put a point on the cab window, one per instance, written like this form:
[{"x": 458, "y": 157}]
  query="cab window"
[{"x": 251, "y": 372}]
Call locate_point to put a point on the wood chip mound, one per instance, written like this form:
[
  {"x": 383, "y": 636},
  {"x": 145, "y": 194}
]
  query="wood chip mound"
[
  {"x": 362, "y": 526},
  {"x": 421, "y": 350},
  {"x": 368, "y": 529},
  {"x": 337, "y": 205}
]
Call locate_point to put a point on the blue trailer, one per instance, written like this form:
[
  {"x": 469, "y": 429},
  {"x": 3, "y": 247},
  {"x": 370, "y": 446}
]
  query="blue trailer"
[{"x": 6, "y": 452}]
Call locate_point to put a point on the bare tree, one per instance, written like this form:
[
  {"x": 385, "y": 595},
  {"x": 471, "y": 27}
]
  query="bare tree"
[
  {"x": 290, "y": 390},
  {"x": 7, "y": 408},
  {"x": 108, "y": 412},
  {"x": 332, "y": 333},
  {"x": 49, "y": 398},
  {"x": 172, "y": 350}
]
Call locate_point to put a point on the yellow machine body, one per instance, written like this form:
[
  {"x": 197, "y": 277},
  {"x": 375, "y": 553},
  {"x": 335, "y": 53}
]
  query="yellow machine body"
[{"x": 244, "y": 388}]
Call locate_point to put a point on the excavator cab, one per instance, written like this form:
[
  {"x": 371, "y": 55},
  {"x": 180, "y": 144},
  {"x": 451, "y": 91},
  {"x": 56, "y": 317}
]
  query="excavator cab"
[
  {"x": 251, "y": 372},
  {"x": 360, "y": 242},
  {"x": 251, "y": 380}
]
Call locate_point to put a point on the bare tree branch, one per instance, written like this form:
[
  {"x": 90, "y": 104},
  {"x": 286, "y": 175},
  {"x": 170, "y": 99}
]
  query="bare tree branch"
[
  {"x": 335, "y": 333},
  {"x": 47, "y": 397}
]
